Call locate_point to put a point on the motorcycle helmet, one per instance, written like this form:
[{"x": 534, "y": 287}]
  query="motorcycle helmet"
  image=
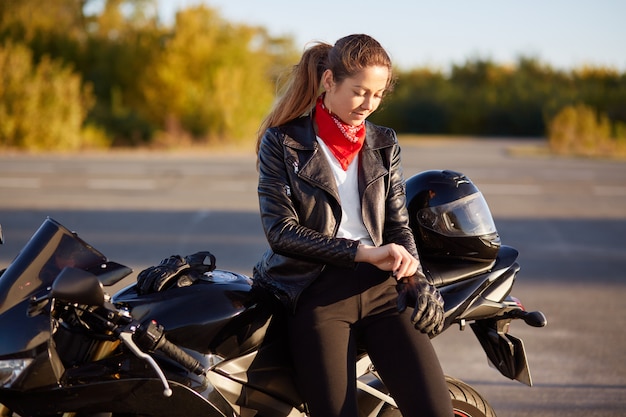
[{"x": 450, "y": 218}]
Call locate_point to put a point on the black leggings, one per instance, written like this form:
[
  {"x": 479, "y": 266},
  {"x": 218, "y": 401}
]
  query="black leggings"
[{"x": 345, "y": 307}]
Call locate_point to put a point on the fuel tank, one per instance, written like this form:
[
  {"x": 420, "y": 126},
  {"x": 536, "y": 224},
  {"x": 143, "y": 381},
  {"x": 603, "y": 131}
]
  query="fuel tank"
[{"x": 219, "y": 313}]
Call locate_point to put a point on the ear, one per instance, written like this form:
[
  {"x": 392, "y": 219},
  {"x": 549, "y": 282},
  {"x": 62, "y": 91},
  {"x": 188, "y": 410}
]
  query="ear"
[{"x": 328, "y": 81}]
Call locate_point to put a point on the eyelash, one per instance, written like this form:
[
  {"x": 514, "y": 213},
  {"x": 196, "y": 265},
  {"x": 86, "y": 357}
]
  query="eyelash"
[{"x": 378, "y": 96}]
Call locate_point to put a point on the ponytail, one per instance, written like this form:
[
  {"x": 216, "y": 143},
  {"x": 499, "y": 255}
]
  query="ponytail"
[{"x": 301, "y": 90}]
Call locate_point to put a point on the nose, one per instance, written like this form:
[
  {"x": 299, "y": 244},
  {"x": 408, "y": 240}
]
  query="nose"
[{"x": 368, "y": 103}]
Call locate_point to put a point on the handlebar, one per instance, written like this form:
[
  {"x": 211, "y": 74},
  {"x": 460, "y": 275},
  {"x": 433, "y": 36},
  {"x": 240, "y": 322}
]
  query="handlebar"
[
  {"x": 151, "y": 337},
  {"x": 148, "y": 338},
  {"x": 180, "y": 356}
]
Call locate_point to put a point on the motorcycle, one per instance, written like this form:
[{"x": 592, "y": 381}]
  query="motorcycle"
[{"x": 211, "y": 347}]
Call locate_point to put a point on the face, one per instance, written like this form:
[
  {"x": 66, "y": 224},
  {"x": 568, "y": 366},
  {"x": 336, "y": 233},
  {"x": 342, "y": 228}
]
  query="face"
[{"x": 355, "y": 97}]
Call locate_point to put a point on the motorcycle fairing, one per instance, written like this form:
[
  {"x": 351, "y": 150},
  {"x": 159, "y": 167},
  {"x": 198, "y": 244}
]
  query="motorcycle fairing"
[
  {"x": 464, "y": 299},
  {"x": 239, "y": 327},
  {"x": 248, "y": 400},
  {"x": 267, "y": 369},
  {"x": 255, "y": 372},
  {"x": 488, "y": 301},
  {"x": 115, "y": 396},
  {"x": 24, "y": 338}
]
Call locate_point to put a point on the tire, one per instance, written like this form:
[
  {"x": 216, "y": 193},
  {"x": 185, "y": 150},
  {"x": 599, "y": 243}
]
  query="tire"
[{"x": 466, "y": 402}]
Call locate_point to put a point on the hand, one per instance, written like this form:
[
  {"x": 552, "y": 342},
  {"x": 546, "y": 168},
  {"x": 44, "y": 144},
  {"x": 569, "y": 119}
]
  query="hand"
[
  {"x": 391, "y": 257},
  {"x": 428, "y": 315}
]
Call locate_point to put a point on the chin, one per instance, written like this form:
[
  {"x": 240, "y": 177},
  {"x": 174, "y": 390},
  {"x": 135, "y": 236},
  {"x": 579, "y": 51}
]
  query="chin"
[{"x": 355, "y": 121}]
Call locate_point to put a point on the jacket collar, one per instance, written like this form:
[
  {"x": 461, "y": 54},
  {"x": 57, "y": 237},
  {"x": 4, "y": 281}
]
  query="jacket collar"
[{"x": 300, "y": 135}]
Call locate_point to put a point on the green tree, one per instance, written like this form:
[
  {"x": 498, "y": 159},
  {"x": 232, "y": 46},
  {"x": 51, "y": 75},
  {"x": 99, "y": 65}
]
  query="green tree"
[
  {"x": 109, "y": 48},
  {"x": 42, "y": 106},
  {"x": 213, "y": 78},
  {"x": 481, "y": 97},
  {"x": 122, "y": 46}
]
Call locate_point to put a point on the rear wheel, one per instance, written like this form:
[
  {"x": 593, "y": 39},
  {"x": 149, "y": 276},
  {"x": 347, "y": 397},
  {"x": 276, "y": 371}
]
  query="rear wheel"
[{"x": 466, "y": 402}]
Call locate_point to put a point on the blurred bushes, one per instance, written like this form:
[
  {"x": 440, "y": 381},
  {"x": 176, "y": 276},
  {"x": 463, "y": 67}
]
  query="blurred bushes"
[
  {"x": 208, "y": 80},
  {"x": 42, "y": 106},
  {"x": 484, "y": 98},
  {"x": 580, "y": 130},
  {"x": 141, "y": 83},
  {"x": 85, "y": 73}
]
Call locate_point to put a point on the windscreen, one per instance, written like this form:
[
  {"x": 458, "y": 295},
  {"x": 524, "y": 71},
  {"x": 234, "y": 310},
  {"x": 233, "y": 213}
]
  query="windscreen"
[{"x": 48, "y": 251}]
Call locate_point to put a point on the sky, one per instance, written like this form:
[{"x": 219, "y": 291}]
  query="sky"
[{"x": 565, "y": 34}]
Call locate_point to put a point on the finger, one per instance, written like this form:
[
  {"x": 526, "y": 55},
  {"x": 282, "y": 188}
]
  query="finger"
[
  {"x": 409, "y": 265},
  {"x": 437, "y": 323},
  {"x": 430, "y": 322},
  {"x": 425, "y": 327},
  {"x": 426, "y": 320},
  {"x": 412, "y": 267},
  {"x": 399, "y": 270},
  {"x": 420, "y": 306},
  {"x": 440, "y": 322},
  {"x": 419, "y": 272},
  {"x": 403, "y": 268},
  {"x": 396, "y": 267}
]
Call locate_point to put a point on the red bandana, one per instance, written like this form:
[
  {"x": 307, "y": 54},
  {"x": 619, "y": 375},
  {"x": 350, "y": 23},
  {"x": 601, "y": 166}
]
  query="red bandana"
[{"x": 343, "y": 140}]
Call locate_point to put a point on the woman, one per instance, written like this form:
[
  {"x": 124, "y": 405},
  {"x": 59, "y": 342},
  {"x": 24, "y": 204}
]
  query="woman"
[{"x": 332, "y": 204}]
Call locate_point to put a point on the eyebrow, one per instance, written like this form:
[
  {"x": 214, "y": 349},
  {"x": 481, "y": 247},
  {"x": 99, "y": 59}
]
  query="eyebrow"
[{"x": 367, "y": 89}]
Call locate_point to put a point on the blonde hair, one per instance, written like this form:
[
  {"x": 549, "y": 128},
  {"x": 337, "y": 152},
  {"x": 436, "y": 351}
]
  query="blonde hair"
[{"x": 349, "y": 56}]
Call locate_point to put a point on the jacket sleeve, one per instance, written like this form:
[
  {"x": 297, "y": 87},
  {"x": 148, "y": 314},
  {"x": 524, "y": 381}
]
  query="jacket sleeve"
[
  {"x": 279, "y": 216},
  {"x": 396, "y": 229}
]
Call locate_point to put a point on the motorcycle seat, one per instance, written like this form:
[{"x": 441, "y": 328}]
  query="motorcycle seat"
[{"x": 445, "y": 273}]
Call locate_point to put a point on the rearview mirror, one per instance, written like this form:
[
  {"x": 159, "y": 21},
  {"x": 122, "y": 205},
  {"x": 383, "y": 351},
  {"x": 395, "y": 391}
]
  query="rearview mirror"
[
  {"x": 110, "y": 273},
  {"x": 74, "y": 285}
]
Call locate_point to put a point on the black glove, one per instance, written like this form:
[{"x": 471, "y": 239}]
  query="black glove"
[
  {"x": 175, "y": 269},
  {"x": 428, "y": 315},
  {"x": 201, "y": 262},
  {"x": 156, "y": 278}
]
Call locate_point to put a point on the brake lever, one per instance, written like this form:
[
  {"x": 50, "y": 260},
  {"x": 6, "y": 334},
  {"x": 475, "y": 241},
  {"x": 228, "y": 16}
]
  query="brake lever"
[{"x": 127, "y": 339}]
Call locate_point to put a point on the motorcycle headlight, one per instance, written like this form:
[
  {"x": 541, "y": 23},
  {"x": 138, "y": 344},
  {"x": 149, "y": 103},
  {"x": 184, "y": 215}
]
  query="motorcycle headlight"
[{"x": 10, "y": 369}]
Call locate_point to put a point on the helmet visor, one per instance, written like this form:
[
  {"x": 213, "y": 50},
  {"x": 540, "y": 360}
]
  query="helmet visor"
[{"x": 467, "y": 216}]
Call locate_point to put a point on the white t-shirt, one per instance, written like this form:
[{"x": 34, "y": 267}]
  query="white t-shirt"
[{"x": 351, "y": 226}]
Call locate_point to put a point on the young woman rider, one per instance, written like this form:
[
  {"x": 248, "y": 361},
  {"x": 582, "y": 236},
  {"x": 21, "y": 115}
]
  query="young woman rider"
[{"x": 332, "y": 203}]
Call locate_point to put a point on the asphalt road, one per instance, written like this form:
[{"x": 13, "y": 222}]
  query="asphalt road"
[{"x": 566, "y": 216}]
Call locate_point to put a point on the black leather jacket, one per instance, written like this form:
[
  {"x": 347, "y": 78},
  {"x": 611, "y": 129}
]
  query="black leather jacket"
[{"x": 300, "y": 207}]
